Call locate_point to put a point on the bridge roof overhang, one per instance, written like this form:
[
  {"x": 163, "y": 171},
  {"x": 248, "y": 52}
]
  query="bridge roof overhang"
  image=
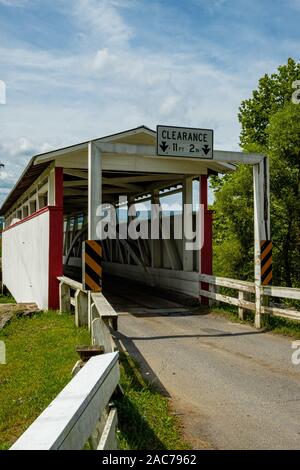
[{"x": 133, "y": 152}]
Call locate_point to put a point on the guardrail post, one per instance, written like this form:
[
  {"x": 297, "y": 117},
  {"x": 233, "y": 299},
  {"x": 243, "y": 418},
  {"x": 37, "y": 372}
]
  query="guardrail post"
[
  {"x": 212, "y": 288},
  {"x": 241, "y": 309},
  {"x": 81, "y": 308},
  {"x": 64, "y": 297}
]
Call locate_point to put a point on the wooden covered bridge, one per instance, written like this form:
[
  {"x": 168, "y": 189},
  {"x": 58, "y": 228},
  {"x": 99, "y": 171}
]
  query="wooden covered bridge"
[{"x": 54, "y": 207}]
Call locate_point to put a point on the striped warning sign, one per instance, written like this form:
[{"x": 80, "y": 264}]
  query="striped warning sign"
[
  {"x": 266, "y": 262},
  {"x": 92, "y": 265}
]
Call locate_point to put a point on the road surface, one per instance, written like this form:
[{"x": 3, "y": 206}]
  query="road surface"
[{"x": 233, "y": 386}]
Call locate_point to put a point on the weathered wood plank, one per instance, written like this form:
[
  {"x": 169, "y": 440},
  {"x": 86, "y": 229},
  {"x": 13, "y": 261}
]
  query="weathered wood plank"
[
  {"x": 81, "y": 308},
  {"x": 101, "y": 335},
  {"x": 228, "y": 300},
  {"x": 105, "y": 310},
  {"x": 70, "y": 282},
  {"x": 284, "y": 292},
  {"x": 281, "y": 312},
  {"x": 108, "y": 439},
  {"x": 227, "y": 282},
  {"x": 64, "y": 297},
  {"x": 103, "y": 306},
  {"x": 68, "y": 422},
  {"x": 241, "y": 309}
]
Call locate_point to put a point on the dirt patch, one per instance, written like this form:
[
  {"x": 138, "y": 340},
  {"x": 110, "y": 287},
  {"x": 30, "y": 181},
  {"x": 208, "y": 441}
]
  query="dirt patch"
[
  {"x": 192, "y": 424},
  {"x": 8, "y": 311}
]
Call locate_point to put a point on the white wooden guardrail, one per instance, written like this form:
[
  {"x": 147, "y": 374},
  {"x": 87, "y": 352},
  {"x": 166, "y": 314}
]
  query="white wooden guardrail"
[
  {"x": 103, "y": 317},
  {"x": 100, "y": 317},
  {"x": 72, "y": 293},
  {"x": 245, "y": 290},
  {"x": 79, "y": 413}
]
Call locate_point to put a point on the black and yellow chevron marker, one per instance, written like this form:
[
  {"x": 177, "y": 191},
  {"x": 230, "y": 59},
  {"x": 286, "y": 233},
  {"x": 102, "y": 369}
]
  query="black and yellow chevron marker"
[
  {"x": 266, "y": 262},
  {"x": 92, "y": 265}
]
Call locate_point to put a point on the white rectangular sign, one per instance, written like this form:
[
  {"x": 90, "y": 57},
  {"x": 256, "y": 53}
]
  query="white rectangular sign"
[{"x": 184, "y": 142}]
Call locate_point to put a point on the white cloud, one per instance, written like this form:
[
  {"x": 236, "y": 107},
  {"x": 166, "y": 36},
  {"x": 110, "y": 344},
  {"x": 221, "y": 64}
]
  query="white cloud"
[
  {"x": 101, "y": 17},
  {"x": 169, "y": 105}
]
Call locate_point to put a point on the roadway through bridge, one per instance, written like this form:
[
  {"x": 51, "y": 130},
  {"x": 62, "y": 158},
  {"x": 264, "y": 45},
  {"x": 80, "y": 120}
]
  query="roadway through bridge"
[{"x": 234, "y": 387}]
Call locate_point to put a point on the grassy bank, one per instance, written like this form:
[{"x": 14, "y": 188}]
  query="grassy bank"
[
  {"x": 275, "y": 325},
  {"x": 40, "y": 357},
  {"x": 40, "y": 354}
]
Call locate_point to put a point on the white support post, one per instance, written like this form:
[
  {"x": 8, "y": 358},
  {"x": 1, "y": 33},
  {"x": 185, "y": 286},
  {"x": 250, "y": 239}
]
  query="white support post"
[
  {"x": 94, "y": 201},
  {"x": 32, "y": 206},
  {"x": 261, "y": 226},
  {"x": 187, "y": 228},
  {"x": 25, "y": 211},
  {"x": 94, "y": 188},
  {"x": 155, "y": 244}
]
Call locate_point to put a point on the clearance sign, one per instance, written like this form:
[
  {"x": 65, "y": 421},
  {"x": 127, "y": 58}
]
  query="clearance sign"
[{"x": 184, "y": 142}]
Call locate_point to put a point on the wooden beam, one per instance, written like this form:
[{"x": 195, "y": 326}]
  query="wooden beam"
[
  {"x": 75, "y": 184},
  {"x": 187, "y": 223},
  {"x": 75, "y": 192},
  {"x": 79, "y": 173}
]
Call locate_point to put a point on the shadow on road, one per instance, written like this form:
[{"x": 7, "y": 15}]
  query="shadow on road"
[
  {"x": 217, "y": 335},
  {"x": 125, "y": 343}
]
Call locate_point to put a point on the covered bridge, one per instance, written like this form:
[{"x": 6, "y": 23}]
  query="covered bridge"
[{"x": 52, "y": 209}]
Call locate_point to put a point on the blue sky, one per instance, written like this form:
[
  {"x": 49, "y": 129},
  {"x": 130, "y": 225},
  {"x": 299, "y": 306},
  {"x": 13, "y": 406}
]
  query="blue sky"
[{"x": 78, "y": 69}]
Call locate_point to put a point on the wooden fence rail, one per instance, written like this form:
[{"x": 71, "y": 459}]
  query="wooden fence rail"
[
  {"x": 103, "y": 317},
  {"x": 71, "y": 293},
  {"x": 91, "y": 309},
  {"x": 246, "y": 290},
  {"x": 80, "y": 412}
]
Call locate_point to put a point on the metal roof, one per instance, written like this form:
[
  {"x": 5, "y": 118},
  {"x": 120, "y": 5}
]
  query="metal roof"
[
  {"x": 39, "y": 162},
  {"x": 32, "y": 170}
]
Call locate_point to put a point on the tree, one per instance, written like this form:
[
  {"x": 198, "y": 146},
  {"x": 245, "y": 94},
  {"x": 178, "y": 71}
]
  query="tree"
[
  {"x": 283, "y": 137},
  {"x": 273, "y": 93},
  {"x": 271, "y": 125}
]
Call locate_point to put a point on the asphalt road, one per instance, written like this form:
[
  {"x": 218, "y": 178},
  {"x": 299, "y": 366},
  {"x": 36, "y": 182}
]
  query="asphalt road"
[{"x": 234, "y": 387}]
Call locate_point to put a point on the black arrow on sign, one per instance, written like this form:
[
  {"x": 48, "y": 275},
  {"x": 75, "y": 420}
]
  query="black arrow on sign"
[
  {"x": 206, "y": 149},
  {"x": 164, "y": 146}
]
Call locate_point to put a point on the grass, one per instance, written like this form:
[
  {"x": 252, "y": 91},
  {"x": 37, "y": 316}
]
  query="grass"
[
  {"x": 40, "y": 353},
  {"x": 277, "y": 325},
  {"x": 7, "y": 299},
  {"x": 145, "y": 418}
]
